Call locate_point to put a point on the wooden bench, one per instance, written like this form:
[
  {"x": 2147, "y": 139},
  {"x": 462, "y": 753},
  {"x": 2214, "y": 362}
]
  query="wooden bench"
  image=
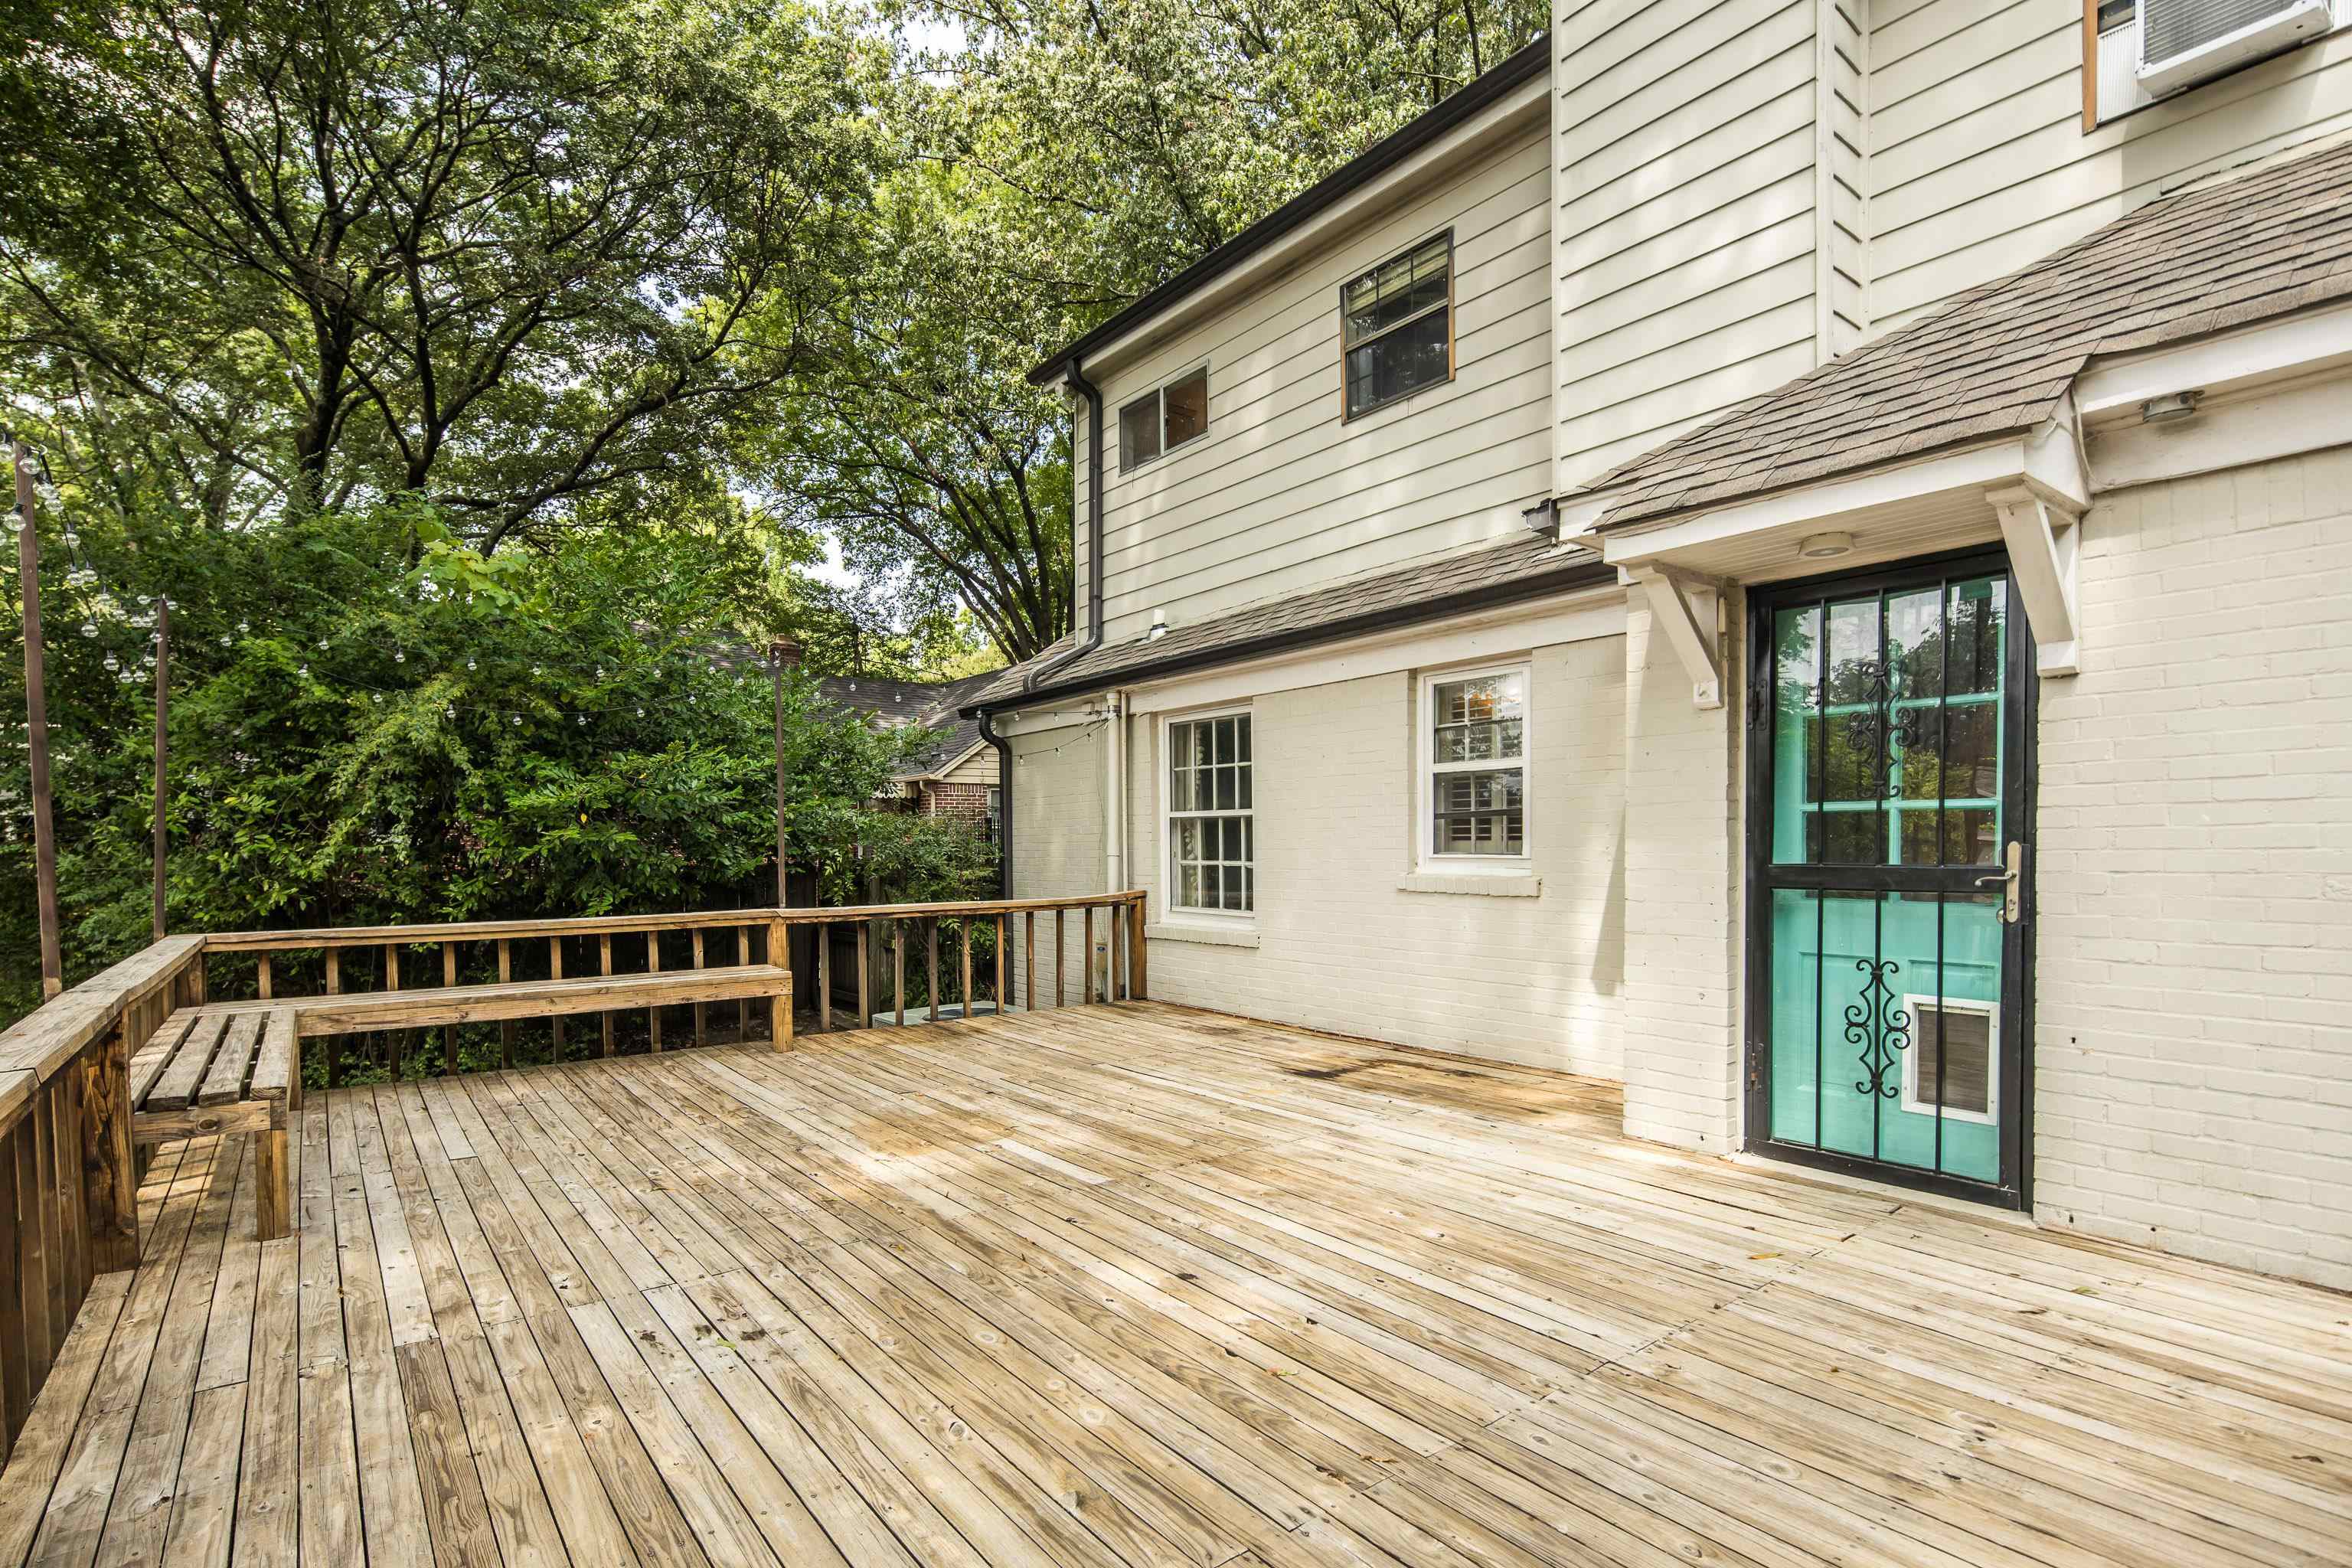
[
  {"x": 365, "y": 1012},
  {"x": 209, "y": 1073}
]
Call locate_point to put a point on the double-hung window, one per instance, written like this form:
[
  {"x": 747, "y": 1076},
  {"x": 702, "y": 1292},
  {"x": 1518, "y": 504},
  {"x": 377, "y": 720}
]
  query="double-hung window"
[
  {"x": 1164, "y": 419},
  {"x": 1212, "y": 833},
  {"x": 1475, "y": 726},
  {"x": 1397, "y": 326}
]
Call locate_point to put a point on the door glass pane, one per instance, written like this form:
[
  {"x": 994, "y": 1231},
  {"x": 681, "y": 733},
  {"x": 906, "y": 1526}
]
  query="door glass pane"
[
  {"x": 1796, "y": 760},
  {"x": 1858, "y": 981}
]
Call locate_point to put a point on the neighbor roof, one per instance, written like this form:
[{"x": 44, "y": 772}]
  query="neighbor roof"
[
  {"x": 1526, "y": 567},
  {"x": 1998, "y": 360},
  {"x": 931, "y": 704},
  {"x": 1361, "y": 170}
]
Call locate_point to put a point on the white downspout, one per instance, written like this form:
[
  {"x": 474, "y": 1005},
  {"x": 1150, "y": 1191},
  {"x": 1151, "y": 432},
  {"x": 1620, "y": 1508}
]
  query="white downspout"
[{"x": 1114, "y": 813}]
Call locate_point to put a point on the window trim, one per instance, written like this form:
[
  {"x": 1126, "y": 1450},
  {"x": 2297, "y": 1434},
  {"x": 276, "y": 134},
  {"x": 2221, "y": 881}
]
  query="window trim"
[
  {"x": 1176, "y": 911},
  {"x": 1451, "y": 368},
  {"x": 1158, "y": 396},
  {"x": 1426, "y": 857},
  {"x": 1913, "y": 1005}
]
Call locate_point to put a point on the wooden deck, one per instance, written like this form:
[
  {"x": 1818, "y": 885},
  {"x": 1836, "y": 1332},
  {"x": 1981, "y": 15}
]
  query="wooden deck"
[{"x": 1141, "y": 1286}]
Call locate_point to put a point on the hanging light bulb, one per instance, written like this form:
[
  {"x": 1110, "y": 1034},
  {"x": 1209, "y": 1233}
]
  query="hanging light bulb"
[
  {"x": 600, "y": 672},
  {"x": 73, "y": 540},
  {"x": 517, "y": 720},
  {"x": 469, "y": 662},
  {"x": 112, "y": 662},
  {"x": 641, "y": 712},
  {"x": 302, "y": 672},
  {"x": 582, "y": 720},
  {"x": 399, "y": 656},
  {"x": 243, "y": 627},
  {"x": 90, "y": 629}
]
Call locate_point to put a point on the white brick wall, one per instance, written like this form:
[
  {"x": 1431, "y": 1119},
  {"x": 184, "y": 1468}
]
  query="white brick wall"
[
  {"x": 2192, "y": 1056},
  {"x": 1682, "y": 913},
  {"x": 1341, "y": 946},
  {"x": 1057, "y": 846}
]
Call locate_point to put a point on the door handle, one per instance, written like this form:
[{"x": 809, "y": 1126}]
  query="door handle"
[{"x": 2013, "y": 861}]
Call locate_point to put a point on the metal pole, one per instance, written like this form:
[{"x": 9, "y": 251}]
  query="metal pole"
[
  {"x": 36, "y": 726},
  {"x": 162, "y": 690}
]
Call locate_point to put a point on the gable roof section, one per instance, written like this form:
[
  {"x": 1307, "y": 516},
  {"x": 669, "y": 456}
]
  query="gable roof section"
[
  {"x": 1998, "y": 360},
  {"x": 1361, "y": 170},
  {"x": 1528, "y": 567},
  {"x": 930, "y": 704}
]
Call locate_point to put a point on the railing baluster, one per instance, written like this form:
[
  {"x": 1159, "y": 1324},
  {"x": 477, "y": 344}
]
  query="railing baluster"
[
  {"x": 1114, "y": 975},
  {"x": 1087, "y": 999},
  {"x": 898, "y": 967},
  {"x": 505, "y": 1029},
  {"x": 1029, "y": 961},
  {"x": 653, "y": 966},
  {"x": 824, "y": 978},
  {"x": 963, "y": 929},
  {"x": 865, "y": 979},
  {"x": 932, "y": 975},
  {"x": 998, "y": 999},
  {"x": 742, "y": 961},
  {"x": 265, "y": 977},
  {"x": 1061, "y": 955},
  {"x": 698, "y": 964},
  {"x": 449, "y": 1031},
  {"x": 604, "y": 966},
  {"x": 335, "y": 1042}
]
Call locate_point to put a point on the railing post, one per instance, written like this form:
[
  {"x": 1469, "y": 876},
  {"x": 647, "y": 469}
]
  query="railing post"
[
  {"x": 964, "y": 947},
  {"x": 1138, "y": 973},
  {"x": 898, "y": 967},
  {"x": 1061, "y": 956},
  {"x": 263, "y": 983},
  {"x": 742, "y": 961},
  {"x": 998, "y": 996},
  {"x": 555, "y": 972},
  {"x": 108, "y": 1178},
  {"x": 1029, "y": 959},
  {"x": 780, "y": 1008},
  {"x": 931, "y": 975},
  {"x": 1087, "y": 993},
  {"x": 335, "y": 988}
]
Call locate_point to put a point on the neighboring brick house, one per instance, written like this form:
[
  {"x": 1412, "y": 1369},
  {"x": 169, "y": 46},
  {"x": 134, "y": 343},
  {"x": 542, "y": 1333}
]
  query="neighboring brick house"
[
  {"x": 1720, "y": 560},
  {"x": 956, "y": 776}
]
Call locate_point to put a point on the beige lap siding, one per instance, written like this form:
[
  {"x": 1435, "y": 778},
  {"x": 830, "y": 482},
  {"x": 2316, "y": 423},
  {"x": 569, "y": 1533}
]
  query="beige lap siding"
[
  {"x": 2194, "y": 1037},
  {"x": 1341, "y": 946}
]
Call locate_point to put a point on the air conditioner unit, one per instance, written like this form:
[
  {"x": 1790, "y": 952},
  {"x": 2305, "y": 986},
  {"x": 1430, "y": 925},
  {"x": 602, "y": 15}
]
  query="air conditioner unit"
[{"x": 2183, "y": 42}]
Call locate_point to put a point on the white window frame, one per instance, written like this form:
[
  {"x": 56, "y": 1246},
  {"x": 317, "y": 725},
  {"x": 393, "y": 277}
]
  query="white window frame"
[
  {"x": 1169, "y": 817},
  {"x": 1915, "y": 1008},
  {"x": 1159, "y": 398},
  {"x": 1427, "y": 767}
]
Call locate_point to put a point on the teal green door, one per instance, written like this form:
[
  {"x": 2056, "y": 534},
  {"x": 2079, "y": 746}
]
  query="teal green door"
[{"x": 1887, "y": 960}]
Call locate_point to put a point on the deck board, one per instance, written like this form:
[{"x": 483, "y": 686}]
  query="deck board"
[{"x": 1149, "y": 1286}]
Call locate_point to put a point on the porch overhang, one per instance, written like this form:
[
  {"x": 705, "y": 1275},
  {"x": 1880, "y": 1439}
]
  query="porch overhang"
[{"x": 2025, "y": 491}]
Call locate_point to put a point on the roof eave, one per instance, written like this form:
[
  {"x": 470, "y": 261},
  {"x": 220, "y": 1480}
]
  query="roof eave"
[{"x": 1382, "y": 156}]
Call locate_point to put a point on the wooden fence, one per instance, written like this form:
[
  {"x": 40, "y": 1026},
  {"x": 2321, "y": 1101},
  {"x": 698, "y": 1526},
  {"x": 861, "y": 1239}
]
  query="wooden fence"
[{"x": 69, "y": 1179}]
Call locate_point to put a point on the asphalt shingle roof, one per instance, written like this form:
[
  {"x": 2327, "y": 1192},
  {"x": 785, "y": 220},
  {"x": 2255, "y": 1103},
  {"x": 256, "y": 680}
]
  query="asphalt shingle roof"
[
  {"x": 932, "y": 704},
  {"x": 1523, "y": 567},
  {"x": 1997, "y": 359}
]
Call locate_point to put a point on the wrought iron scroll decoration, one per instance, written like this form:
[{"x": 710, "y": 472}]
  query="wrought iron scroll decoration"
[
  {"x": 1885, "y": 722},
  {"x": 1880, "y": 1025}
]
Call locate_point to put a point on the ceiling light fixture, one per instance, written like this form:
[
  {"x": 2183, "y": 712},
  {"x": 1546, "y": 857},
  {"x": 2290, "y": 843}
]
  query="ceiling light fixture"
[
  {"x": 2171, "y": 406},
  {"x": 1824, "y": 546}
]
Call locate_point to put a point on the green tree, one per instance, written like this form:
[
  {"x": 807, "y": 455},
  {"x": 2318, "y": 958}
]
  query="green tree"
[{"x": 268, "y": 256}]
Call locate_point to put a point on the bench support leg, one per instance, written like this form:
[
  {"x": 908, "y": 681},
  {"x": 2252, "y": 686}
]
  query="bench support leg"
[
  {"x": 109, "y": 1177},
  {"x": 273, "y": 1204}
]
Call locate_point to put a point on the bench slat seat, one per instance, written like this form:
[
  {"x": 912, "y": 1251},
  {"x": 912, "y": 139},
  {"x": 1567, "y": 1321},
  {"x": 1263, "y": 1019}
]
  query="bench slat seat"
[
  {"x": 209, "y": 1074},
  {"x": 363, "y": 1012}
]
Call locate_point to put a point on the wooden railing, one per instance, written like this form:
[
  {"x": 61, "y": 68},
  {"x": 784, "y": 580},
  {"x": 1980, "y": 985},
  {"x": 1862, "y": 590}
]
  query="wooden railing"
[
  {"x": 68, "y": 1180},
  {"x": 68, "y": 1194}
]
